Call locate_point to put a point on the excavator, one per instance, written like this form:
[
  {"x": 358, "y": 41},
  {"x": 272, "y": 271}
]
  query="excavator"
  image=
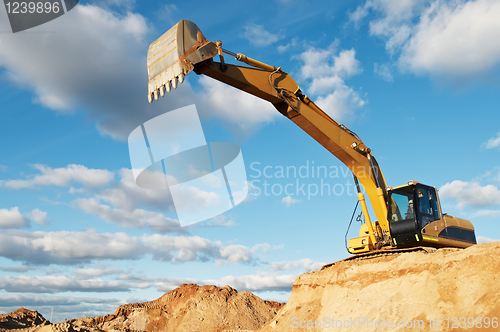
[{"x": 407, "y": 216}]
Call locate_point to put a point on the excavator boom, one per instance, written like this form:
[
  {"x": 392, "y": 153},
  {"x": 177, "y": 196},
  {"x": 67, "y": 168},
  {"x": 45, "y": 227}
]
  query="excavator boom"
[{"x": 183, "y": 49}]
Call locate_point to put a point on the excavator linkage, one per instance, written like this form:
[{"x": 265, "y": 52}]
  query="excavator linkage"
[{"x": 174, "y": 54}]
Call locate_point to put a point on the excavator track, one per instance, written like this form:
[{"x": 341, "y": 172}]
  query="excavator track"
[{"x": 383, "y": 253}]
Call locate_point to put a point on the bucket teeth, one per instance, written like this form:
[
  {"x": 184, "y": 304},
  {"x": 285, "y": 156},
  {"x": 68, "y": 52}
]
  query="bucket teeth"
[
  {"x": 150, "y": 98},
  {"x": 174, "y": 55}
]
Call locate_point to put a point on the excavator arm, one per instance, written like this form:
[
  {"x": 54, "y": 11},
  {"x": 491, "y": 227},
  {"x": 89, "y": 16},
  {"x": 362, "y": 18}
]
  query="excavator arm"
[
  {"x": 277, "y": 87},
  {"x": 183, "y": 49}
]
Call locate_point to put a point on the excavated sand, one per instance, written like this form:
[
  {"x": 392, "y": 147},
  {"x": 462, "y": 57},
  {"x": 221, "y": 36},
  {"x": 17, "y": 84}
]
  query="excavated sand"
[
  {"x": 408, "y": 289},
  {"x": 188, "y": 308}
]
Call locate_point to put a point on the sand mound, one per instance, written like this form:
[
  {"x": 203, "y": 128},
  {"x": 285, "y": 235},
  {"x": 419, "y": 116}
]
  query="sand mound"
[{"x": 409, "y": 290}]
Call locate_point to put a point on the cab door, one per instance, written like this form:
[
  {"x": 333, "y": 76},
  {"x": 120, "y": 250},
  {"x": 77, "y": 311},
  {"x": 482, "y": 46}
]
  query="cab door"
[{"x": 427, "y": 208}]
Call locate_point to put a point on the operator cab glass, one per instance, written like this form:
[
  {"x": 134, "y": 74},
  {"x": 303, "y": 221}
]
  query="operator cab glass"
[
  {"x": 427, "y": 206},
  {"x": 411, "y": 208}
]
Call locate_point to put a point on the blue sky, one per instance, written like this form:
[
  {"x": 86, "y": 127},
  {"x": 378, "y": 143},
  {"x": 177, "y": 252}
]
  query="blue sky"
[{"x": 418, "y": 81}]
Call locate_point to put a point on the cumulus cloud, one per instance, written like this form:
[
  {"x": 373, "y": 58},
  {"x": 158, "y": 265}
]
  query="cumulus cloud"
[
  {"x": 93, "y": 272},
  {"x": 38, "y": 216},
  {"x": 486, "y": 213},
  {"x": 383, "y": 71},
  {"x": 167, "y": 284},
  {"x": 492, "y": 143},
  {"x": 237, "y": 253},
  {"x": 289, "y": 201},
  {"x": 484, "y": 239},
  {"x": 235, "y": 107},
  {"x": 58, "y": 308},
  {"x": 35, "y": 300},
  {"x": 445, "y": 39},
  {"x": 258, "y": 36},
  {"x": 136, "y": 218},
  {"x": 12, "y": 218},
  {"x": 61, "y": 177},
  {"x": 95, "y": 61},
  {"x": 261, "y": 281},
  {"x": 50, "y": 284},
  {"x": 44, "y": 248},
  {"x": 456, "y": 39},
  {"x": 305, "y": 264},
  {"x": 470, "y": 194},
  {"x": 327, "y": 71}
]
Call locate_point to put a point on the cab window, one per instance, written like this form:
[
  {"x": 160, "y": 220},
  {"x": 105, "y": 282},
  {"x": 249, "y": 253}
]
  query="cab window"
[
  {"x": 427, "y": 205},
  {"x": 402, "y": 207}
]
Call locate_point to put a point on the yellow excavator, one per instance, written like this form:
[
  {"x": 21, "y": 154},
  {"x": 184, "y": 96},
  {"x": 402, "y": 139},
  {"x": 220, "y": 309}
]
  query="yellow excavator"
[{"x": 407, "y": 216}]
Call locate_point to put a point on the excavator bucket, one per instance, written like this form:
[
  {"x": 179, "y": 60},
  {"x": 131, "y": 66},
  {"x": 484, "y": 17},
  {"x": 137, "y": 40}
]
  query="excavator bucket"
[{"x": 174, "y": 54}]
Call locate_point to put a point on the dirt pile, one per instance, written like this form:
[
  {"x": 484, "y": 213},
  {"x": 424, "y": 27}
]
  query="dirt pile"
[
  {"x": 21, "y": 318},
  {"x": 187, "y": 308},
  {"x": 444, "y": 290},
  {"x": 193, "y": 308}
]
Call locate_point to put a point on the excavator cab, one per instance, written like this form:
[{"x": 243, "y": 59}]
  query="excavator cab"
[{"x": 415, "y": 218}]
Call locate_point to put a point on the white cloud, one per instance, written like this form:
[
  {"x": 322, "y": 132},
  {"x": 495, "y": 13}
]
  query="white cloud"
[
  {"x": 36, "y": 300},
  {"x": 68, "y": 247},
  {"x": 38, "y": 216},
  {"x": 293, "y": 44},
  {"x": 237, "y": 253},
  {"x": 358, "y": 15},
  {"x": 258, "y": 36},
  {"x": 234, "y": 253},
  {"x": 107, "y": 80},
  {"x": 484, "y": 239},
  {"x": 492, "y": 143},
  {"x": 259, "y": 282},
  {"x": 95, "y": 61},
  {"x": 235, "y": 107},
  {"x": 43, "y": 248},
  {"x": 305, "y": 264},
  {"x": 49, "y": 284},
  {"x": 327, "y": 73},
  {"x": 167, "y": 284},
  {"x": 127, "y": 5},
  {"x": 59, "y": 308},
  {"x": 136, "y": 218},
  {"x": 470, "y": 194},
  {"x": 93, "y": 272},
  {"x": 455, "y": 40},
  {"x": 62, "y": 177},
  {"x": 289, "y": 201},
  {"x": 486, "y": 213},
  {"x": 128, "y": 195},
  {"x": 12, "y": 218},
  {"x": 383, "y": 71}
]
